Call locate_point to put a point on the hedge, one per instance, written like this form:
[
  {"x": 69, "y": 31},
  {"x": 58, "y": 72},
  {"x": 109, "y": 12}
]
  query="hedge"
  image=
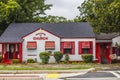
[
  {"x": 87, "y": 57},
  {"x": 44, "y": 56},
  {"x": 0, "y": 58},
  {"x": 30, "y": 61},
  {"x": 58, "y": 56},
  {"x": 15, "y": 61}
]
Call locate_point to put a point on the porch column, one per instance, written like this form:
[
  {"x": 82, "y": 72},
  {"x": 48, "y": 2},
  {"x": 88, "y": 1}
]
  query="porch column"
[
  {"x": 108, "y": 52},
  {"x": 20, "y": 52},
  {"x": 15, "y": 54},
  {"x": 98, "y": 52},
  {"x": 2, "y": 51},
  {"x": 7, "y": 48}
]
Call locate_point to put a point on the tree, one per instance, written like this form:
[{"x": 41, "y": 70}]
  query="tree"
[
  {"x": 33, "y": 8},
  {"x": 7, "y": 11},
  {"x": 21, "y": 11},
  {"x": 51, "y": 19},
  {"x": 55, "y": 19},
  {"x": 79, "y": 19},
  {"x": 24, "y": 10},
  {"x": 103, "y": 15}
]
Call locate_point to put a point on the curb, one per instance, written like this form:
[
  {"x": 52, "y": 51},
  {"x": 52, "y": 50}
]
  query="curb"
[{"x": 43, "y": 71}]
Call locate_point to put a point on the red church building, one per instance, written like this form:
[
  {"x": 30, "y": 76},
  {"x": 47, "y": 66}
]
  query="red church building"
[{"x": 26, "y": 40}]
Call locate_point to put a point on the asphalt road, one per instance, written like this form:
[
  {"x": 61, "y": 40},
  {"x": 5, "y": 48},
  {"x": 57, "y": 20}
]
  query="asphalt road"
[
  {"x": 103, "y": 75},
  {"x": 94, "y": 79}
]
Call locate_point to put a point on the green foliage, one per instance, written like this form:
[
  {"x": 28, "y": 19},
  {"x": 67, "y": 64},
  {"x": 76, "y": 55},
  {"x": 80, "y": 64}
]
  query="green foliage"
[
  {"x": 114, "y": 61},
  {"x": 51, "y": 19},
  {"x": 103, "y": 15},
  {"x": 66, "y": 61},
  {"x": 58, "y": 56},
  {"x": 74, "y": 62},
  {"x": 15, "y": 61},
  {"x": 12, "y": 11},
  {"x": 30, "y": 60},
  {"x": 44, "y": 56},
  {"x": 79, "y": 19},
  {"x": 22, "y": 10},
  {"x": 0, "y": 58},
  {"x": 7, "y": 10},
  {"x": 87, "y": 58}
]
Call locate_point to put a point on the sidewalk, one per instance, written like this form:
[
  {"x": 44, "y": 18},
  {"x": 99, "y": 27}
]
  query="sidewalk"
[{"x": 40, "y": 74}]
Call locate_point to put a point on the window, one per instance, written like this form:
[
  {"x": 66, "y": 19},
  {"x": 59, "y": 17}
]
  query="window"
[
  {"x": 85, "y": 47},
  {"x": 67, "y": 51},
  {"x": 85, "y": 50},
  {"x": 113, "y": 50},
  {"x": 116, "y": 50},
  {"x": 68, "y": 47},
  {"x": 31, "y": 45},
  {"x": 49, "y": 45}
]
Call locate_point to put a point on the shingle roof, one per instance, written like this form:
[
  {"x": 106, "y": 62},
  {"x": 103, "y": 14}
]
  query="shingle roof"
[
  {"x": 16, "y": 31},
  {"x": 106, "y": 36}
]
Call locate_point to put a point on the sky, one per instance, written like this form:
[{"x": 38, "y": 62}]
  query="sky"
[{"x": 65, "y": 8}]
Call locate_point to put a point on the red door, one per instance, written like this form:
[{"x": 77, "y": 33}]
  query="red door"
[{"x": 105, "y": 53}]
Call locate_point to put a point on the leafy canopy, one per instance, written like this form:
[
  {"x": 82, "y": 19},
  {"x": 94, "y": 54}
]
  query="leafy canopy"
[
  {"x": 21, "y": 10},
  {"x": 12, "y": 11},
  {"x": 103, "y": 15}
]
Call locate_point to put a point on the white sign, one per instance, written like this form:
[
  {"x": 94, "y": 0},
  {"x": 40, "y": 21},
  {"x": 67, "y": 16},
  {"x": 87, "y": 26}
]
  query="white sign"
[{"x": 113, "y": 56}]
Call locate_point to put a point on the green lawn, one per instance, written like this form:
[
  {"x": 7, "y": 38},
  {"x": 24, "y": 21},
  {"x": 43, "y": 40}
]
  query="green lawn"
[
  {"x": 73, "y": 66},
  {"x": 37, "y": 66}
]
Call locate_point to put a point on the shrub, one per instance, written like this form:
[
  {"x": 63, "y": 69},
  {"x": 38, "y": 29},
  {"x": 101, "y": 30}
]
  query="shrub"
[
  {"x": 0, "y": 58},
  {"x": 15, "y": 61},
  {"x": 31, "y": 61},
  {"x": 114, "y": 61},
  {"x": 44, "y": 56},
  {"x": 75, "y": 62},
  {"x": 58, "y": 56},
  {"x": 87, "y": 57},
  {"x": 66, "y": 58}
]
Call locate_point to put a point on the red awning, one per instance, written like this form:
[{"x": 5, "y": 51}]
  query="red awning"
[
  {"x": 49, "y": 45},
  {"x": 85, "y": 44},
  {"x": 67, "y": 45},
  {"x": 31, "y": 45}
]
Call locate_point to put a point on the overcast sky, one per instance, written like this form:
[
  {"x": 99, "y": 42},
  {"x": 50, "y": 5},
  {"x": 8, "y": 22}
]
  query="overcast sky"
[{"x": 65, "y": 8}]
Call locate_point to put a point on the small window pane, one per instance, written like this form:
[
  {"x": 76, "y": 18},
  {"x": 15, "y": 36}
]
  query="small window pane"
[
  {"x": 85, "y": 50},
  {"x": 67, "y": 51}
]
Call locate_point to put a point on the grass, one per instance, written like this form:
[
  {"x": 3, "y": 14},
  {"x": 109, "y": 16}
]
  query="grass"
[
  {"x": 36, "y": 66},
  {"x": 61, "y": 66},
  {"x": 14, "y": 68}
]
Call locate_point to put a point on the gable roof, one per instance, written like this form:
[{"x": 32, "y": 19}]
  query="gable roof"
[
  {"x": 16, "y": 31},
  {"x": 106, "y": 36}
]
